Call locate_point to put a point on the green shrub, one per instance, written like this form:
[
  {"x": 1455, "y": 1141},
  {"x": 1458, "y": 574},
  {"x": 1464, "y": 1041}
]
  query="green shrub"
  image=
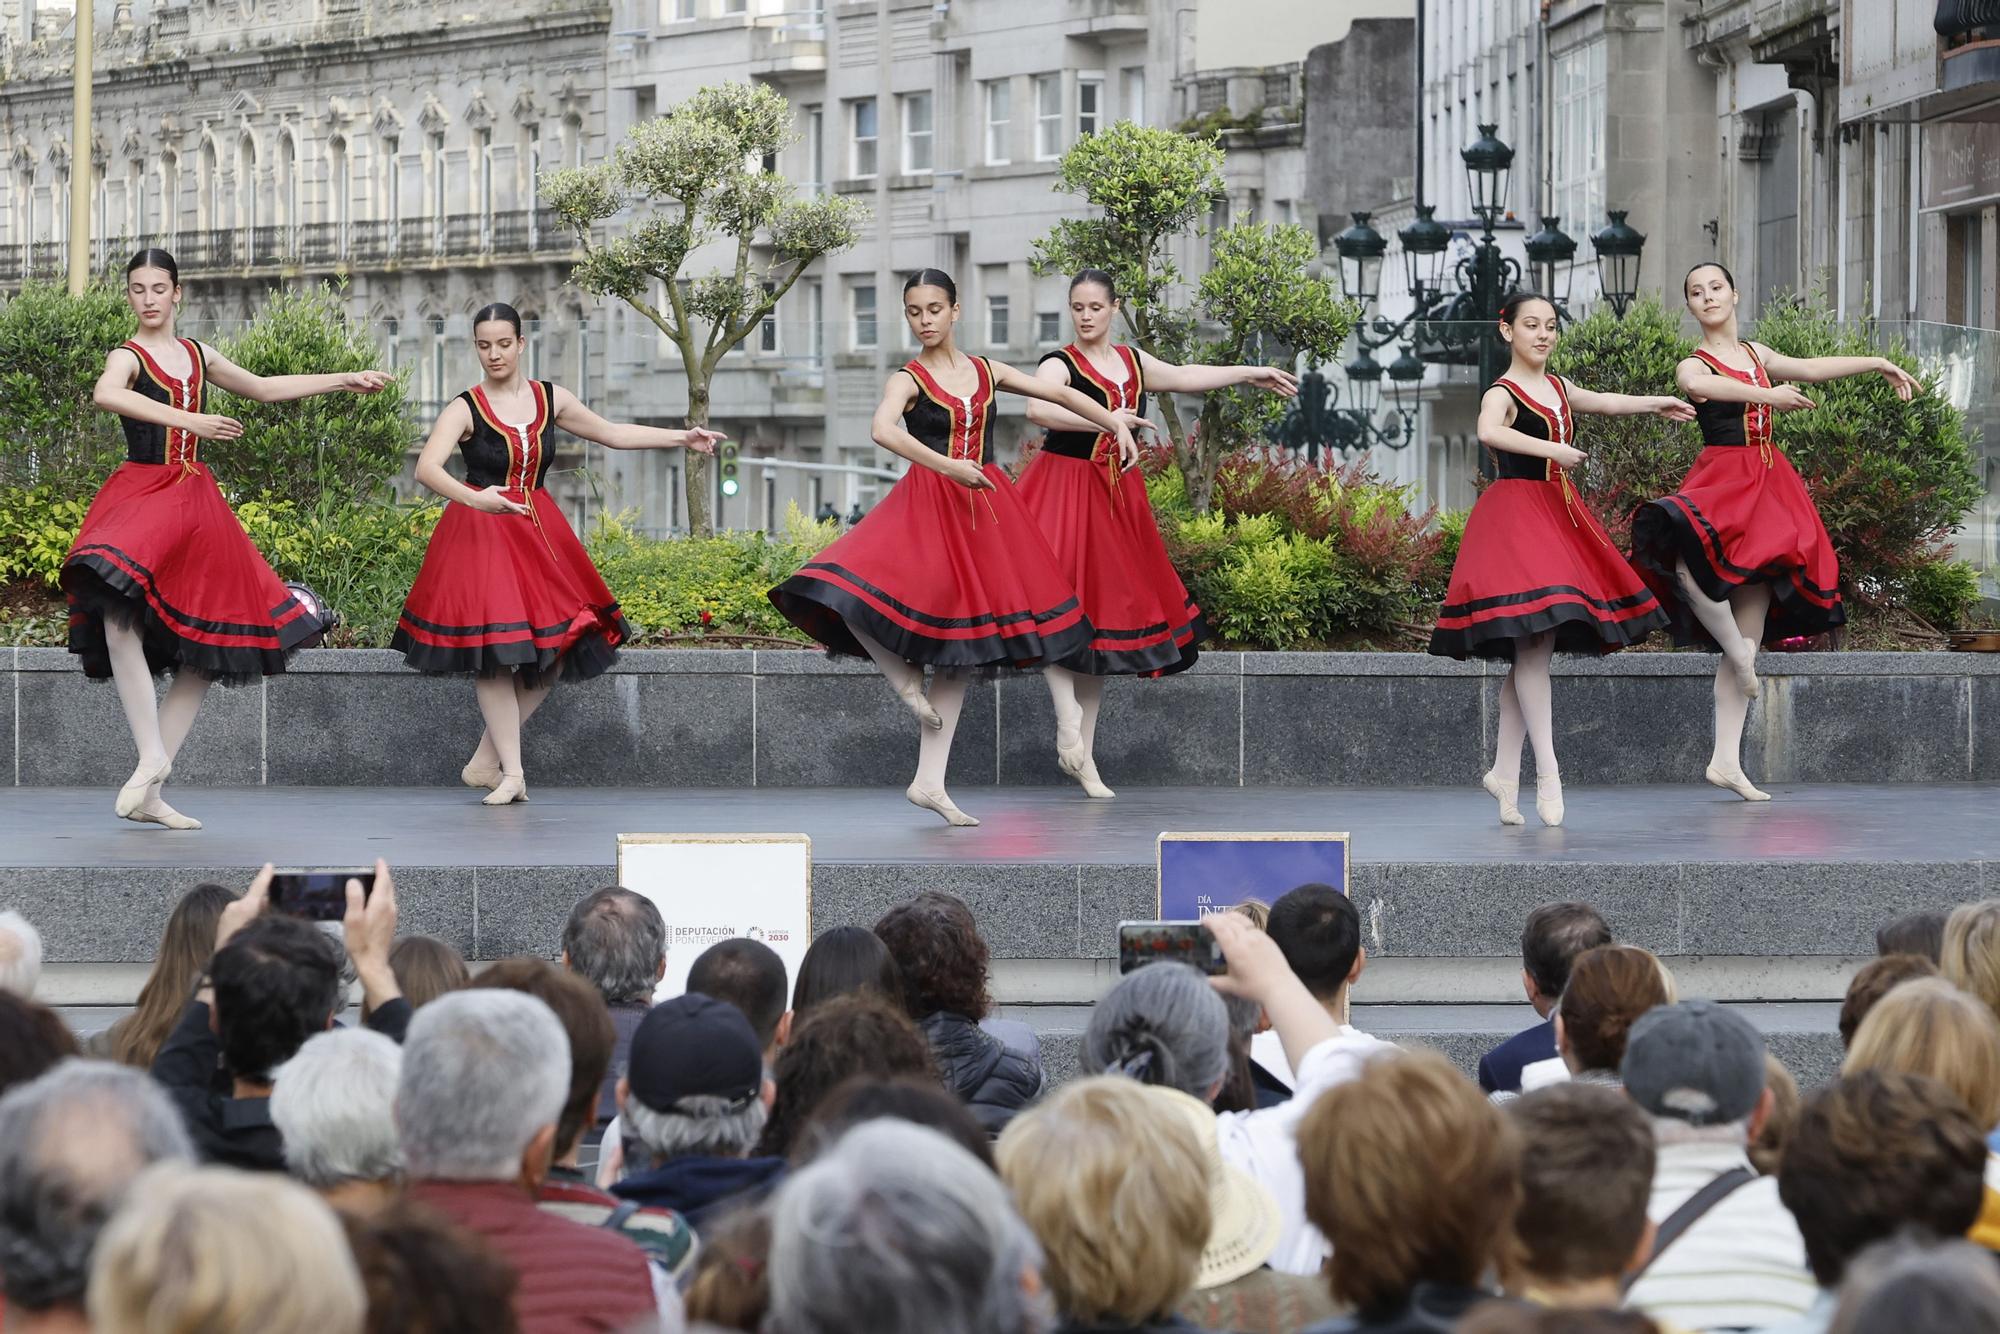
[
  {"x": 52, "y": 349},
  {"x": 37, "y": 527},
  {"x": 360, "y": 558},
  {"x": 1260, "y": 600},
  {"x": 1943, "y": 592},
  {"x": 706, "y": 585}
]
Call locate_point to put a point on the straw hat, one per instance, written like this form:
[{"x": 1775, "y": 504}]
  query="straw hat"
[{"x": 1245, "y": 1233}]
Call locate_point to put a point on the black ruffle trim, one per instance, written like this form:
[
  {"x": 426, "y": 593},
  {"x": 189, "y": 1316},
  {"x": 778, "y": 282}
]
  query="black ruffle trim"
[
  {"x": 587, "y": 658},
  {"x": 1577, "y": 632},
  {"x": 824, "y": 610},
  {"x": 99, "y": 591},
  {"x": 1663, "y": 537}
]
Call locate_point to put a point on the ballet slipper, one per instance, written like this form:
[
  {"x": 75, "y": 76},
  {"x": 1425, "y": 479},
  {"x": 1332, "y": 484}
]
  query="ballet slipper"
[
  {"x": 476, "y": 775},
  {"x": 1743, "y": 662},
  {"x": 1071, "y": 753},
  {"x": 941, "y": 804},
  {"x": 1549, "y": 799},
  {"x": 1093, "y": 786},
  {"x": 1736, "y": 782},
  {"x": 133, "y": 795},
  {"x": 1507, "y": 794},
  {"x": 513, "y": 788},
  {"x": 913, "y": 698},
  {"x": 159, "y": 813}
]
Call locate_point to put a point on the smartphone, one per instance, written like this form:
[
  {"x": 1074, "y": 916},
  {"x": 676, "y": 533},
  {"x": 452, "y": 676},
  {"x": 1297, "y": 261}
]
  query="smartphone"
[
  {"x": 318, "y": 895},
  {"x": 1141, "y": 943}
]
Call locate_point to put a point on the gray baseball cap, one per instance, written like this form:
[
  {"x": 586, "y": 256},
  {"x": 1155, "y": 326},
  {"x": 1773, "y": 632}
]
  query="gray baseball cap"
[{"x": 1696, "y": 1062}]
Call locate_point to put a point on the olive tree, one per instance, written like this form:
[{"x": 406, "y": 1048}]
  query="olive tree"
[{"x": 684, "y": 180}]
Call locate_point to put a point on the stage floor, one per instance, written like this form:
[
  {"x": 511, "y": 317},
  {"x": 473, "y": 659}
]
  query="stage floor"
[{"x": 1655, "y": 825}]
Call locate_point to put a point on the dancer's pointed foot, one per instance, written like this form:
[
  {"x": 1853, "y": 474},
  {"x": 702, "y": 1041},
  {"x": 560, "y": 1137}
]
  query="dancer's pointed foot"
[
  {"x": 1549, "y": 799},
  {"x": 1071, "y": 753},
  {"x": 156, "y": 811},
  {"x": 1507, "y": 794},
  {"x": 1742, "y": 656},
  {"x": 475, "y": 774},
  {"x": 940, "y": 803},
  {"x": 1737, "y": 782},
  {"x": 513, "y": 788},
  {"x": 1093, "y": 786},
  {"x": 140, "y": 787},
  {"x": 913, "y": 699}
]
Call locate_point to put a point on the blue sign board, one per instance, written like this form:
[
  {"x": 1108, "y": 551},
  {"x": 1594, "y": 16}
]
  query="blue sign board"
[{"x": 1205, "y": 873}]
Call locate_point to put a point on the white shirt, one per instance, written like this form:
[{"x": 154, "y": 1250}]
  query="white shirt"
[
  {"x": 1268, "y": 1050},
  {"x": 1743, "y": 1263},
  {"x": 1542, "y": 1074},
  {"x": 1264, "y": 1144}
]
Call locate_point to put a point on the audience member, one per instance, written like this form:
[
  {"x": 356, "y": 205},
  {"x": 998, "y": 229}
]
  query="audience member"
[
  {"x": 334, "y": 1106},
  {"x": 71, "y": 1144},
  {"x": 1919, "y": 933},
  {"x": 915, "y": 1099},
  {"x": 1502, "y": 1318},
  {"x": 1970, "y": 955},
  {"x": 1609, "y": 988},
  {"x": 1909, "y": 1286},
  {"x": 731, "y": 1285},
  {"x": 184, "y": 950},
  {"x": 426, "y": 1275},
  {"x": 1876, "y": 979},
  {"x": 842, "y": 960},
  {"x": 1876, "y": 1154},
  {"x": 223, "y": 1252},
  {"x": 1556, "y": 933},
  {"x": 896, "y": 1230},
  {"x": 1414, "y": 1178},
  {"x": 692, "y": 1105},
  {"x": 617, "y": 941},
  {"x": 485, "y": 1077},
  {"x": 1767, "y": 1149},
  {"x": 1161, "y": 1024},
  {"x": 33, "y": 1038},
  {"x": 567, "y": 1191},
  {"x": 1319, "y": 933},
  {"x": 1250, "y": 1084},
  {"x": 942, "y": 960},
  {"x": 1587, "y": 1160},
  {"x": 20, "y": 955},
  {"x": 749, "y": 975},
  {"x": 853, "y": 1036},
  {"x": 426, "y": 968},
  {"x": 273, "y": 982},
  {"x": 1728, "y": 1254}
]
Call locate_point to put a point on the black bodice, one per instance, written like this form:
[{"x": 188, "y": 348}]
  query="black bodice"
[
  {"x": 150, "y": 442},
  {"x": 498, "y": 453},
  {"x": 1538, "y": 420},
  {"x": 959, "y": 427},
  {"x": 1735, "y": 423},
  {"x": 1087, "y": 379}
]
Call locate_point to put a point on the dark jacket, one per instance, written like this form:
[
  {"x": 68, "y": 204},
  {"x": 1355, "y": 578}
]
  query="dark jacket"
[
  {"x": 702, "y": 1189},
  {"x": 1432, "y": 1308},
  {"x": 1161, "y": 1325},
  {"x": 1500, "y": 1069},
  {"x": 625, "y": 1017},
  {"x": 236, "y": 1132},
  {"x": 991, "y": 1078}
]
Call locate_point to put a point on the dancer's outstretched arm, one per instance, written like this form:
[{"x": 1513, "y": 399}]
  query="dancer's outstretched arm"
[
  {"x": 1172, "y": 379},
  {"x": 1100, "y": 417},
  {"x": 1496, "y": 431},
  {"x": 453, "y": 425},
  {"x": 1050, "y": 417},
  {"x": 1701, "y": 381},
  {"x": 1818, "y": 370},
  {"x": 114, "y": 393},
  {"x": 1628, "y": 405},
  {"x": 226, "y": 374},
  {"x": 580, "y": 421}
]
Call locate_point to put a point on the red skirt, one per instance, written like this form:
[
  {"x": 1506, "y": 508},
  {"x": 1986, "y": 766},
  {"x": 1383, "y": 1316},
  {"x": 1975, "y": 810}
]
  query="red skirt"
[
  {"x": 1738, "y": 520},
  {"x": 1107, "y": 543},
  {"x": 161, "y": 551},
  {"x": 508, "y": 593},
  {"x": 1529, "y": 563},
  {"x": 943, "y": 575}
]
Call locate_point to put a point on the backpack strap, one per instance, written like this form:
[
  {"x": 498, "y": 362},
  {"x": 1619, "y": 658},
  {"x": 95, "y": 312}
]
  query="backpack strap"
[
  {"x": 619, "y": 1216},
  {"x": 1691, "y": 1212}
]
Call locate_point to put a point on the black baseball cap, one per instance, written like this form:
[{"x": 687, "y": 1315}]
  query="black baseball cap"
[{"x": 695, "y": 1046}]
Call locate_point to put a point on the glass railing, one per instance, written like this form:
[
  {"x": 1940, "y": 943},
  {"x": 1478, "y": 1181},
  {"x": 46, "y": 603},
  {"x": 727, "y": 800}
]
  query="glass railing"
[{"x": 1967, "y": 363}]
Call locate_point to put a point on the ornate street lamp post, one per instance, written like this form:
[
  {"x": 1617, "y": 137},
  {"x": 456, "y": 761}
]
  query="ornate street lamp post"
[
  {"x": 1618, "y": 246},
  {"x": 1552, "y": 259}
]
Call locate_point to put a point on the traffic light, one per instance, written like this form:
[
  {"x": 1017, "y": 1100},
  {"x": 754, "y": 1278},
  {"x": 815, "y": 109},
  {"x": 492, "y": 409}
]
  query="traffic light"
[{"x": 727, "y": 453}]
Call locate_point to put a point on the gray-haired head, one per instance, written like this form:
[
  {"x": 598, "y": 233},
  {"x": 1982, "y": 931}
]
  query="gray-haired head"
[
  {"x": 20, "y": 954},
  {"x": 484, "y": 1072},
  {"x": 618, "y": 941},
  {"x": 897, "y": 1230},
  {"x": 1914, "y": 1285},
  {"x": 335, "y": 1106},
  {"x": 1162, "y": 1024},
  {"x": 70, "y": 1143},
  {"x": 697, "y": 1127}
]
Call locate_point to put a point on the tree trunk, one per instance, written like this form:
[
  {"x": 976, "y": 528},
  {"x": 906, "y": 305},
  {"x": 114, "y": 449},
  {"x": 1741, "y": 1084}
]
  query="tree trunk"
[{"x": 700, "y": 522}]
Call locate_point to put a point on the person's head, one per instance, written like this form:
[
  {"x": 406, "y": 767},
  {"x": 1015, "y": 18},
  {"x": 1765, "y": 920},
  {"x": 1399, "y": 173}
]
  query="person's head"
[
  {"x": 731, "y": 1289},
  {"x": 1915, "y": 1286},
  {"x": 153, "y": 289},
  {"x": 277, "y": 982},
  {"x": 485, "y": 1076},
  {"x": 1528, "y": 326},
  {"x": 1115, "y": 1188},
  {"x": 1698, "y": 1070},
  {"x": 223, "y": 1252},
  {"x": 33, "y": 1038},
  {"x": 843, "y": 960},
  {"x": 20, "y": 954},
  {"x": 939, "y": 954},
  {"x": 423, "y": 1274},
  {"x": 1970, "y": 958},
  {"x": 426, "y": 968},
  {"x": 749, "y": 975},
  {"x": 617, "y": 940},
  {"x": 1318, "y": 930},
  {"x": 496, "y": 336},
  {"x": 1609, "y": 987},
  {"x": 930, "y": 304},
  {"x": 1767, "y": 1146},
  {"x": 1929, "y": 1027},
  {"x": 1587, "y": 1160},
  {"x": 1555, "y": 935},
  {"x": 1523, "y": 1318},
  {"x": 1162, "y": 1024},
  {"x": 1913, "y": 933},
  {"x": 904, "y": 1098},
  {"x": 335, "y": 1106},
  {"x": 1876, "y": 979},
  {"x": 70, "y": 1144},
  {"x": 1711, "y": 294},
  {"x": 896, "y": 1230},
  {"x": 184, "y": 950},
  {"x": 1093, "y": 303},
  {"x": 694, "y": 1085},
  {"x": 1412, "y": 1175},
  {"x": 840, "y": 1040},
  {"x": 585, "y": 1022}
]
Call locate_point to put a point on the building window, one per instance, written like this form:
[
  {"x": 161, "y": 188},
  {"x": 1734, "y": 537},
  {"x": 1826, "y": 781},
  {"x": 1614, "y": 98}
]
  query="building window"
[
  {"x": 815, "y": 316},
  {"x": 816, "y": 150},
  {"x": 767, "y": 330},
  {"x": 1048, "y": 117},
  {"x": 676, "y": 11},
  {"x": 1133, "y": 81},
  {"x": 999, "y": 122},
  {"x": 1089, "y": 102},
  {"x": 1048, "y": 327},
  {"x": 916, "y": 109},
  {"x": 732, "y": 6},
  {"x": 1577, "y": 152},
  {"x": 863, "y": 131},
  {"x": 865, "y": 334},
  {"x": 645, "y": 104},
  {"x": 998, "y": 334}
]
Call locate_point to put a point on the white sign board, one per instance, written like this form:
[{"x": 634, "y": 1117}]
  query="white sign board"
[{"x": 712, "y": 887}]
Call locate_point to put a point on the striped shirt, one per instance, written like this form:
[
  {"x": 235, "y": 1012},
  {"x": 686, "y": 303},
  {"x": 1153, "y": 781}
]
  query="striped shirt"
[{"x": 1741, "y": 1266}]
